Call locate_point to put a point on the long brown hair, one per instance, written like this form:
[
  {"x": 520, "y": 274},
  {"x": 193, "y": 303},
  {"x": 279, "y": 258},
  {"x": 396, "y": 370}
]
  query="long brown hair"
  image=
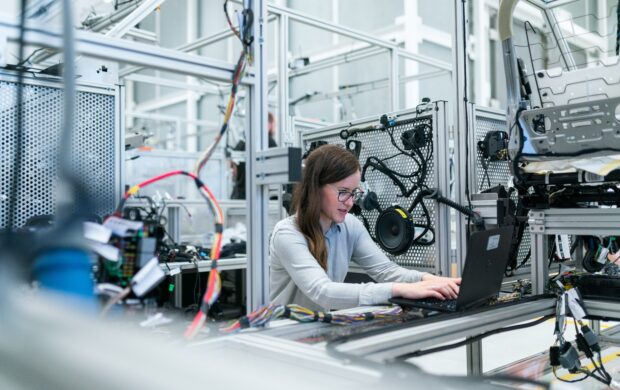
[{"x": 325, "y": 165}]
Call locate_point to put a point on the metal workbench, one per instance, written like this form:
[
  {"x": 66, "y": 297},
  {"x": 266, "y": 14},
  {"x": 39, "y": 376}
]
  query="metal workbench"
[{"x": 384, "y": 342}]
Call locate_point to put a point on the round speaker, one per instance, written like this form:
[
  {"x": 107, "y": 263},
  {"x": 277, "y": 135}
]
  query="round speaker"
[{"x": 395, "y": 230}]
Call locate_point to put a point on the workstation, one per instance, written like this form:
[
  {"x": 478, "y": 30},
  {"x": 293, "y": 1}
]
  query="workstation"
[{"x": 310, "y": 193}]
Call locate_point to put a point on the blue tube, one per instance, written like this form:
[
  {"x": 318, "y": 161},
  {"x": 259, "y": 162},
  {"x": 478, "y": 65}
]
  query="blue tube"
[{"x": 68, "y": 271}]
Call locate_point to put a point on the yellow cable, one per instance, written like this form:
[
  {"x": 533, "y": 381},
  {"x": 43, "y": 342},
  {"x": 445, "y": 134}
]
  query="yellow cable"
[{"x": 133, "y": 190}]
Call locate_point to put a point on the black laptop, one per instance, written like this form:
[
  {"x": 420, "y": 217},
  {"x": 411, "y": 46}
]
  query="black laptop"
[{"x": 487, "y": 257}]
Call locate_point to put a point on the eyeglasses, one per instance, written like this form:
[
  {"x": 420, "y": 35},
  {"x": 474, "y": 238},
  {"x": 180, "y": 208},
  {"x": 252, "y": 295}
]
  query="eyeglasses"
[{"x": 344, "y": 195}]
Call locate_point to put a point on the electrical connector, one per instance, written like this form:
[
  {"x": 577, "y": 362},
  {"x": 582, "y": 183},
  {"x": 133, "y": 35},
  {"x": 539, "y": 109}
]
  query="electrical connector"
[
  {"x": 569, "y": 357},
  {"x": 554, "y": 356},
  {"x": 590, "y": 338},
  {"x": 387, "y": 121},
  {"x": 583, "y": 346}
]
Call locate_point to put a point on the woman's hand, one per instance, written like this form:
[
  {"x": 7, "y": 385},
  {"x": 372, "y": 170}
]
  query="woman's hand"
[{"x": 431, "y": 286}]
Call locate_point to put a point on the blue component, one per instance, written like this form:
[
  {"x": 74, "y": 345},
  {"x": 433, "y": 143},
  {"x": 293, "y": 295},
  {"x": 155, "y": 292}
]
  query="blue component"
[
  {"x": 527, "y": 146},
  {"x": 66, "y": 271}
]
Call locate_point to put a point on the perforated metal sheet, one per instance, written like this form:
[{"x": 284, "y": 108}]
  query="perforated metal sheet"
[
  {"x": 377, "y": 143},
  {"x": 95, "y": 148},
  {"x": 498, "y": 171}
]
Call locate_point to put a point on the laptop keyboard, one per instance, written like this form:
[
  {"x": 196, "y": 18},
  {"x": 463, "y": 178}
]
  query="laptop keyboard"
[{"x": 437, "y": 304}]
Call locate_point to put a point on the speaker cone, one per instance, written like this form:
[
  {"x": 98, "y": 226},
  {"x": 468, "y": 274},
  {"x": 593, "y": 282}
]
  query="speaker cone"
[{"x": 395, "y": 230}]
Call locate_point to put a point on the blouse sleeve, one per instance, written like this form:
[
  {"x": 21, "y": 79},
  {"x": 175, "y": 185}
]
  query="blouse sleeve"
[{"x": 291, "y": 248}]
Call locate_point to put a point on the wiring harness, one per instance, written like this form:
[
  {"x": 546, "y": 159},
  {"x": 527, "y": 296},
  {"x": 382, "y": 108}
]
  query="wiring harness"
[
  {"x": 564, "y": 353},
  {"x": 214, "y": 283},
  {"x": 417, "y": 145},
  {"x": 246, "y": 19},
  {"x": 298, "y": 313}
]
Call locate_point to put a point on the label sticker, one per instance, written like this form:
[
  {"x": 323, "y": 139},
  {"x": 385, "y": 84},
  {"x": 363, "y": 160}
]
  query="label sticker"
[
  {"x": 493, "y": 242},
  {"x": 402, "y": 213}
]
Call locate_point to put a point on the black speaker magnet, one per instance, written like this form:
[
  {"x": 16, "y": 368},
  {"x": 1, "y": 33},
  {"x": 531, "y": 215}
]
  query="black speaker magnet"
[{"x": 395, "y": 230}]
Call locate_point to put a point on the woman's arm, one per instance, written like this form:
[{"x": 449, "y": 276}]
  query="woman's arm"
[
  {"x": 367, "y": 254},
  {"x": 430, "y": 287},
  {"x": 412, "y": 284},
  {"x": 291, "y": 249}
]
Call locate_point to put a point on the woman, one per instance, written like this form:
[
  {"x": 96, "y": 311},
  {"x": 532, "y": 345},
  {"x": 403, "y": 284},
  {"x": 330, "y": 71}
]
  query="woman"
[{"x": 310, "y": 251}]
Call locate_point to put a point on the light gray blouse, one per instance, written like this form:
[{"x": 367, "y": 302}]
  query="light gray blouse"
[{"x": 297, "y": 277}]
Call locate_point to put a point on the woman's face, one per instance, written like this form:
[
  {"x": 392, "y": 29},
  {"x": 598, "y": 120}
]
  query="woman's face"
[{"x": 332, "y": 209}]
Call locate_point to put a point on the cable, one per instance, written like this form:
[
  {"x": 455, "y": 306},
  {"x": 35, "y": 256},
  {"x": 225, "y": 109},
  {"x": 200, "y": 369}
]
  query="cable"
[
  {"x": 420, "y": 157},
  {"x": 421, "y": 161},
  {"x": 245, "y": 58},
  {"x": 554, "y": 369},
  {"x": 529, "y": 48},
  {"x": 114, "y": 300},
  {"x": 214, "y": 280},
  {"x": 19, "y": 120},
  {"x": 392, "y": 367},
  {"x": 232, "y": 28},
  {"x": 265, "y": 314},
  {"x": 465, "y": 101},
  {"x": 618, "y": 28},
  {"x": 434, "y": 194},
  {"x": 237, "y": 76},
  {"x": 525, "y": 259},
  {"x": 485, "y": 167},
  {"x": 472, "y": 339}
]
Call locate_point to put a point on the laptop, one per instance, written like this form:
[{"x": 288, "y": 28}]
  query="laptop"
[{"x": 487, "y": 257}]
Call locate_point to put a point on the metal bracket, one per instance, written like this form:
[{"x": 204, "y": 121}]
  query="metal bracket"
[
  {"x": 586, "y": 127},
  {"x": 278, "y": 166},
  {"x": 536, "y": 221}
]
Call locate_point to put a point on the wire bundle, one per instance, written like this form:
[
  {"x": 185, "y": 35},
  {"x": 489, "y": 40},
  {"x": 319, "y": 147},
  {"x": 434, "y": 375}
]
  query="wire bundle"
[
  {"x": 563, "y": 353},
  {"x": 245, "y": 58},
  {"x": 214, "y": 282},
  {"x": 417, "y": 145},
  {"x": 263, "y": 315},
  {"x": 257, "y": 318},
  {"x": 204, "y": 191},
  {"x": 599, "y": 372},
  {"x": 214, "y": 286}
]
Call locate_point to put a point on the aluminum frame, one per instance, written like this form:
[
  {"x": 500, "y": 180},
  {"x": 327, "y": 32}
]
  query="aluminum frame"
[
  {"x": 99, "y": 46},
  {"x": 460, "y": 121},
  {"x": 443, "y": 263},
  {"x": 257, "y": 194},
  {"x": 391, "y": 344},
  {"x": 119, "y": 118},
  {"x": 477, "y": 115},
  {"x": 286, "y": 15},
  {"x": 597, "y": 222}
]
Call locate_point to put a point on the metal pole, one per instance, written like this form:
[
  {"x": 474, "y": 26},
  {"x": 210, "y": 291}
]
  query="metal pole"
[
  {"x": 474, "y": 358},
  {"x": 440, "y": 125},
  {"x": 540, "y": 272},
  {"x": 283, "y": 73},
  {"x": 257, "y": 195},
  {"x": 460, "y": 122}
]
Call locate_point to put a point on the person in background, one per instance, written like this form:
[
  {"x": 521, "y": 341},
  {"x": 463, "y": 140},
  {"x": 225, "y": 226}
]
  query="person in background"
[
  {"x": 310, "y": 250},
  {"x": 238, "y": 169}
]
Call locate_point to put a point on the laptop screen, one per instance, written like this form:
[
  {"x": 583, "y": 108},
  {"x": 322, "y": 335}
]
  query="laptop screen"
[{"x": 487, "y": 257}]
